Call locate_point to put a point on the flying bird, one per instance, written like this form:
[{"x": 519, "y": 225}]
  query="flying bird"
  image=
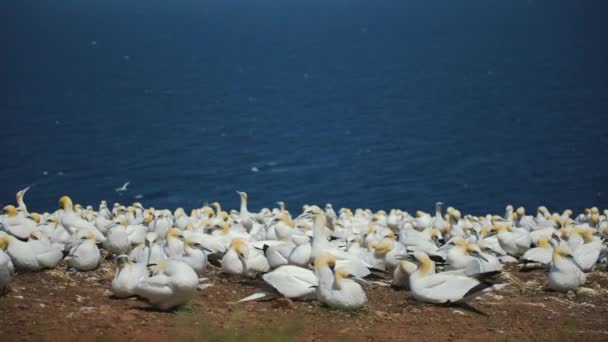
[{"x": 123, "y": 188}]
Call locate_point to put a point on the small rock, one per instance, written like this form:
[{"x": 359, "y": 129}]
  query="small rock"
[
  {"x": 458, "y": 312},
  {"x": 570, "y": 295},
  {"x": 285, "y": 303},
  {"x": 414, "y": 310},
  {"x": 42, "y": 305}
]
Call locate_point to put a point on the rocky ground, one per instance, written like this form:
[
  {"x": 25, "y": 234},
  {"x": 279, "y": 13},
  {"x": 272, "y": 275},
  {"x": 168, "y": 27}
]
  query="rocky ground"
[{"x": 59, "y": 305}]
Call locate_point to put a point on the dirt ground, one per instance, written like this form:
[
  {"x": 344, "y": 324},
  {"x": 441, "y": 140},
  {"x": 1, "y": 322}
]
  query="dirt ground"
[{"x": 58, "y": 305}]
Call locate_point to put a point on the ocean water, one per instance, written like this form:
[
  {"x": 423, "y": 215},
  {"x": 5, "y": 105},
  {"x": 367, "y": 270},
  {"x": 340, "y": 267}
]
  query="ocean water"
[{"x": 374, "y": 104}]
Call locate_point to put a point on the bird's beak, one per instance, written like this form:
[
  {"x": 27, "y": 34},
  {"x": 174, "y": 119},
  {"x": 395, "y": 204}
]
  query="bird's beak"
[
  {"x": 436, "y": 240},
  {"x": 358, "y": 279},
  {"x": 479, "y": 256},
  {"x": 407, "y": 257}
]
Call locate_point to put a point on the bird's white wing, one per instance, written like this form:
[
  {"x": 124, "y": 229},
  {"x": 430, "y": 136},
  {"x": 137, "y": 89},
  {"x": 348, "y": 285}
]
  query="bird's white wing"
[
  {"x": 448, "y": 287},
  {"x": 292, "y": 281},
  {"x": 154, "y": 287},
  {"x": 537, "y": 254}
]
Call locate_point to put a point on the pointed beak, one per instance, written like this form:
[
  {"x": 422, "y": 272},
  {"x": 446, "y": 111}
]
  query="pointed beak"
[
  {"x": 408, "y": 257},
  {"x": 479, "y": 256},
  {"x": 358, "y": 279}
]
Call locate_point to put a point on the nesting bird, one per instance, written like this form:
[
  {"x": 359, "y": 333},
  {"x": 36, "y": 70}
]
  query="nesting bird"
[{"x": 162, "y": 256}]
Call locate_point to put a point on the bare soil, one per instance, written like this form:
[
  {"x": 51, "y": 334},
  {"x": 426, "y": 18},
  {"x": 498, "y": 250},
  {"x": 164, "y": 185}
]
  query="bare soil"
[{"x": 57, "y": 305}]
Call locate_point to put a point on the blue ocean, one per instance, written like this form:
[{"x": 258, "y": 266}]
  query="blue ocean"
[{"x": 373, "y": 104}]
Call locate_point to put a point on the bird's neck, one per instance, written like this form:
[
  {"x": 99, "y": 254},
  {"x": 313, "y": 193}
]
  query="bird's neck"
[{"x": 243, "y": 205}]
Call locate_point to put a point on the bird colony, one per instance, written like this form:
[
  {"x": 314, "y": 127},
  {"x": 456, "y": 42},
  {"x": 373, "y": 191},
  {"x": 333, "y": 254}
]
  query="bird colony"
[{"x": 315, "y": 255}]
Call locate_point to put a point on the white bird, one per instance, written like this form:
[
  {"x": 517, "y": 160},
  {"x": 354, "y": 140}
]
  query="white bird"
[
  {"x": 587, "y": 254},
  {"x": 565, "y": 274},
  {"x": 25, "y": 256},
  {"x": 447, "y": 287},
  {"x": 47, "y": 254},
  {"x": 240, "y": 259},
  {"x": 291, "y": 282},
  {"x": 336, "y": 288},
  {"x": 16, "y": 223},
  {"x": 123, "y": 187},
  {"x": 401, "y": 275},
  {"x": 540, "y": 255},
  {"x": 172, "y": 284},
  {"x": 194, "y": 255},
  {"x": 20, "y": 195},
  {"x": 513, "y": 241},
  {"x": 128, "y": 275},
  {"x": 85, "y": 256},
  {"x": 74, "y": 224},
  {"x": 5, "y": 270},
  {"x": 117, "y": 240}
]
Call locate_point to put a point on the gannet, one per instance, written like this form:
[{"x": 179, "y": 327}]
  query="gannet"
[
  {"x": 25, "y": 257},
  {"x": 174, "y": 243},
  {"x": 240, "y": 259},
  {"x": 540, "y": 255},
  {"x": 587, "y": 254},
  {"x": 194, "y": 255},
  {"x": 336, "y": 288},
  {"x": 320, "y": 245},
  {"x": 73, "y": 223},
  {"x": 16, "y": 223},
  {"x": 401, "y": 275},
  {"x": 513, "y": 241},
  {"x": 172, "y": 283},
  {"x": 5, "y": 262},
  {"x": 160, "y": 225},
  {"x": 20, "y": 201},
  {"x": 565, "y": 274},
  {"x": 438, "y": 221},
  {"x": 47, "y": 254},
  {"x": 128, "y": 275},
  {"x": 289, "y": 281},
  {"x": 447, "y": 287},
  {"x": 331, "y": 216},
  {"x": 245, "y": 217},
  {"x": 123, "y": 187},
  {"x": 117, "y": 241},
  {"x": 85, "y": 256}
]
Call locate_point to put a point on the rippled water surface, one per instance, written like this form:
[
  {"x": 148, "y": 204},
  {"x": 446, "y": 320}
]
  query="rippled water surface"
[{"x": 376, "y": 104}]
